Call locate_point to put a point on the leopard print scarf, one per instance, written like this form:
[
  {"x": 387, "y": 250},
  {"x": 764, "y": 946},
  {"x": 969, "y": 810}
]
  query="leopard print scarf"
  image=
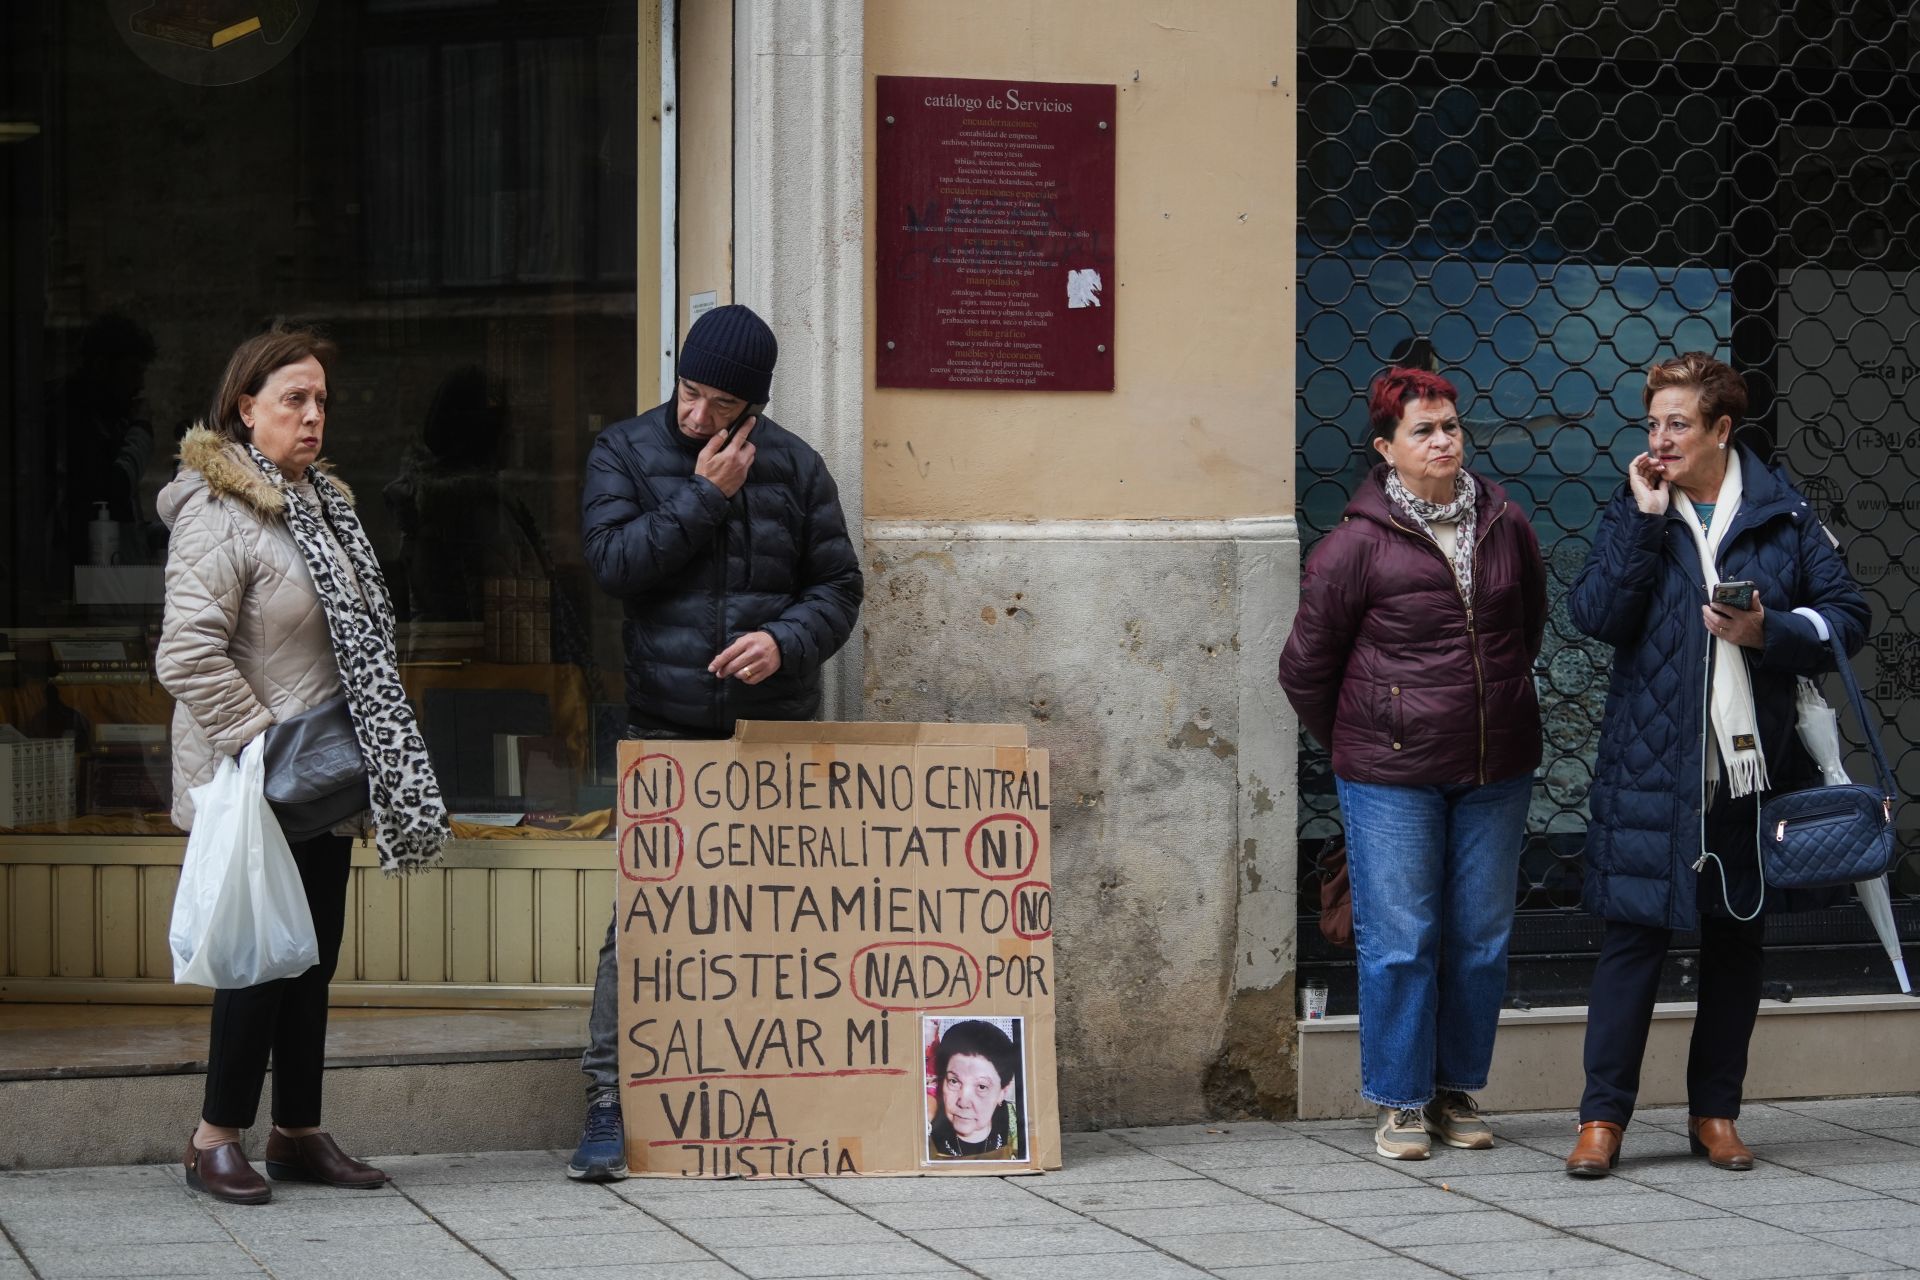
[
  {"x": 1427, "y": 514},
  {"x": 409, "y": 818}
]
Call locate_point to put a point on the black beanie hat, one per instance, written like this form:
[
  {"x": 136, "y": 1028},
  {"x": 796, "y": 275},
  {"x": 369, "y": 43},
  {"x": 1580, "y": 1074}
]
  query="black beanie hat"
[{"x": 732, "y": 349}]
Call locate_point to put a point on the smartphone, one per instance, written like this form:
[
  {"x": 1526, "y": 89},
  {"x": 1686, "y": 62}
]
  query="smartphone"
[
  {"x": 751, "y": 411},
  {"x": 1735, "y": 595}
]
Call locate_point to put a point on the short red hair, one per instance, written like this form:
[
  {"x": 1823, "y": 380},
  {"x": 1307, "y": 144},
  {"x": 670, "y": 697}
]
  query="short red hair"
[{"x": 1395, "y": 389}]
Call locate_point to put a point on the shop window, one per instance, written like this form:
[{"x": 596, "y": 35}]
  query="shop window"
[{"x": 447, "y": 190}]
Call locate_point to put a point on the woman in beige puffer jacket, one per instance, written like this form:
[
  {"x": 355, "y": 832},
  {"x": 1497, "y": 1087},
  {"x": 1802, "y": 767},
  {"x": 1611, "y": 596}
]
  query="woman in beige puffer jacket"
[
  {"x": 245, "y": 641},
  {"x": 262, "y": 600}
]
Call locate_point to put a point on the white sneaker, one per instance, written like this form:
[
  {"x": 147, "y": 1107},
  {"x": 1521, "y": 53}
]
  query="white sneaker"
[{"x": 1402, "y": 1134}]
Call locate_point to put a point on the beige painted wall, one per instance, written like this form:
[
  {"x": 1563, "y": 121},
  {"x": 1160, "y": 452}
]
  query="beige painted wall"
[
  {"x": 706, "y": 153},
  {"x": 1200, "y": 423}
]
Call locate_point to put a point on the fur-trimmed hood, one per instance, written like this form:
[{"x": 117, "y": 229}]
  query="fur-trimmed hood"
[{"x": 223, "y": 468}]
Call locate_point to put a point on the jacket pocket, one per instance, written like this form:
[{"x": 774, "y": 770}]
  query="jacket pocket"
[{"x": 1393, "y": 714}]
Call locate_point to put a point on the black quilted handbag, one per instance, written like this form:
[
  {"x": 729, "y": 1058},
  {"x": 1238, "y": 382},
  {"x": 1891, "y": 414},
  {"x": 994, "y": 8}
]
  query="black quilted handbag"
[{"x": 1833, "y": 835}]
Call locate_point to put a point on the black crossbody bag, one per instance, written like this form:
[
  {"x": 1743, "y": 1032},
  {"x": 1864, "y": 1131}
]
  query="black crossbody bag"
[{"x": 315, "y": 776}]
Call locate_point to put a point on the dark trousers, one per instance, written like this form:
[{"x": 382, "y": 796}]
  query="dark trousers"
[
  {"x": 286, "y": 1019},
  {"x": 1620, "y": 1011}
]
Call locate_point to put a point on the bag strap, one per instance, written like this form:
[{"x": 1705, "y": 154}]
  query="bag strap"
[{"x": 1888, "y": 787}]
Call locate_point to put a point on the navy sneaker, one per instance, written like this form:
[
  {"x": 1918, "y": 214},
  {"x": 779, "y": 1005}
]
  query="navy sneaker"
[{"x": 602, "y": 1153}]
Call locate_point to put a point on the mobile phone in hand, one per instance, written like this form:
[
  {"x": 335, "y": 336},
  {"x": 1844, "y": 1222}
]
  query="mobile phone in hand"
[{"x": 1735, "y": 595}]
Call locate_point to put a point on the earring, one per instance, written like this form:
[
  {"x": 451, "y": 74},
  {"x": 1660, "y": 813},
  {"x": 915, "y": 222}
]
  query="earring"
[{"x": 1723, "y": 443}]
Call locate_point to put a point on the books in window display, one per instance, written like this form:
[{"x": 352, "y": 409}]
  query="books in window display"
[
  {"x": 109, "y": 661},
  {"x": 517, "y": 619},
  {"x": 129, "y": 770}
]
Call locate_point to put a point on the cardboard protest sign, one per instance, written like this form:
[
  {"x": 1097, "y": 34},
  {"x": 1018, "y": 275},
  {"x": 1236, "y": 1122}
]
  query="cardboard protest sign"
[{"x": 836, "y": 952}]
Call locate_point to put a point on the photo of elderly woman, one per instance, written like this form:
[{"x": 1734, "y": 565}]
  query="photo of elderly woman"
[{"x": 976, "y": 1107}]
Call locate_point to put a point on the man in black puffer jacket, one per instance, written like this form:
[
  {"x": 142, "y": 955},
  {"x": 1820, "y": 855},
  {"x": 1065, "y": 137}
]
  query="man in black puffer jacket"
[{"x": 722, "y": 535}]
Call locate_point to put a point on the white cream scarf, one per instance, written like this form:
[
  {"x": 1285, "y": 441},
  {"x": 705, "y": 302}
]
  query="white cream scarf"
[{"x": 1730, "y": 711}]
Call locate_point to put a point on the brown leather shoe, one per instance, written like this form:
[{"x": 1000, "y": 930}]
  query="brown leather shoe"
[
  {"x": 1717, "y": 1141},
  {"x": 1597, "y": 1151},
  {"x": 223, "y": 1173},
  {"x": 317, "y": 1158}
]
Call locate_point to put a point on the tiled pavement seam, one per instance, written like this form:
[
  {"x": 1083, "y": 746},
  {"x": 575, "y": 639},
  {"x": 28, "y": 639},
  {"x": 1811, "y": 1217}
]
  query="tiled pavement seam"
[{"x": 1838, "y": 1192}]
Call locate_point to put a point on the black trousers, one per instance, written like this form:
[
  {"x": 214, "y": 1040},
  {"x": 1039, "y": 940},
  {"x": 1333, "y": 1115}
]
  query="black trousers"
[
  {"x": 286, "y": 1019},
  {"x": 1620, "y": 1012}
]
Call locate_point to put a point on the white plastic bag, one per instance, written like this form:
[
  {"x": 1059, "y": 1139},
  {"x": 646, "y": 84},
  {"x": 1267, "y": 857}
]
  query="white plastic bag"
[{"x": 240, "y": 916}]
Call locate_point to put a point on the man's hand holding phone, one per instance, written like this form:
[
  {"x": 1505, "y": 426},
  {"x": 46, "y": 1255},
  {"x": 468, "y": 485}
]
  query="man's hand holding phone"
[{"x": 728, "y": 456}]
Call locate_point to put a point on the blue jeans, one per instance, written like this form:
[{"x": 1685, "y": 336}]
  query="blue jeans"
[{"x": 1434, "y": 873}]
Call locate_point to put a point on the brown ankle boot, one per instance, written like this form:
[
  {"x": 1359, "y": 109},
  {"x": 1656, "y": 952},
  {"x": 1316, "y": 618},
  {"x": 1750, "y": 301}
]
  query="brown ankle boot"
[
  {"x": 1719, "y": 1143},
  {"x": 317, "y": 1158},
  {"x": 1597, "y": 1151},
  {"x": 223, "y": 1173}
]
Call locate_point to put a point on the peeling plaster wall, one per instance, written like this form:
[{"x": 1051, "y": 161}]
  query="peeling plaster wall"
[{"x": 1124, "y": 647}]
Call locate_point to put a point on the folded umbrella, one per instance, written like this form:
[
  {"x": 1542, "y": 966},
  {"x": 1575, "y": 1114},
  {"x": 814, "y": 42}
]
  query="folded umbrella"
[{"x": 1819, "y": 728}]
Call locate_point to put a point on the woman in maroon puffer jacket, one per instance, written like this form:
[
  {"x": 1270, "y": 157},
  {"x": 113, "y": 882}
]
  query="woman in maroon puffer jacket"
[{"x": 1411, "y": 659}]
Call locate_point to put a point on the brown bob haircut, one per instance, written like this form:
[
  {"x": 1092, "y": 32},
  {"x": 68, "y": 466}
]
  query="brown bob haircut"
[
  {"x": 253, "y": 362},
  {"x": 1723, "y": 393}
]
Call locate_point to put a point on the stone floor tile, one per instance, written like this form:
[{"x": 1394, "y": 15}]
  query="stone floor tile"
[
  {"x": 1775, "y": 1262},
  {"x": 1881, "y": 1175},
  {"x": 114, "y": 1180},
  {"x": 1080, "y": 1238},
  {"x": 307, "y": 1214},
  {"x": 1507, "y": 1157},
  {"x": 1857, "y": 1149},
  {"x": 769, "y": 1262},
  {"x": 650, "y": 1248},
  {"x": 477, "y": 1167},
  {"x": 1150, "y": 1224},
  {"x": 1216, "y": 1249},
  {"x": 865, "y": 1191},
  {"x": 1642, "y": 1205},
  {"x": 1133, "y": 1166},
  {"x": 68, "y": 1263},
  {"x": 976, "y": 1215},
  {"x": 1294, "y": 1152},
  {"x": 1283, "y": 1180},
  {"x": 1631, "y": 1269},
  {"x": 1909, "y": 1134},
  {"x": 1489, "y": 1226},
  {"x": 478, "y": 1226},
  {"x": 1724, "y": 1230},
  {"x": 1880, "y": 1212},
  {"x": 1872, "y": 1115},
  {"x": 1690, "y": 1171},
  {"x": 1745, "y": 1194},
  {"x": 1337, "y": 1206},
  {"x": 1223, "y": 1131},
  {"x": 1100, "y": 1266},
  {"x": 835, "y": 1228},
  {"x": 1498, "y": 1188},
  {"x": 1184, "y": 1193},
  {"x": 757, "y": 1200},
  {"x": 1361, "y": 1269},
  {"x": 1558, "y": 1254},
  {"x": 715, "y": 1270},
  {"x": 84, "y": 1225},
  {"x": 1897, "y": 1244}
]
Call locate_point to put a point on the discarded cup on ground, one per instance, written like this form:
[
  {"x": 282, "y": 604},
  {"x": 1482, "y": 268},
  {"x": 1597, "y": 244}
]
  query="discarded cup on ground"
[{"x": 1313, "y": 1001}]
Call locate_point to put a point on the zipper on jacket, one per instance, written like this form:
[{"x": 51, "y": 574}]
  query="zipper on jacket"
[
  {"x": 1473, "y": 634},
  {"x": 720, "y": 613}
]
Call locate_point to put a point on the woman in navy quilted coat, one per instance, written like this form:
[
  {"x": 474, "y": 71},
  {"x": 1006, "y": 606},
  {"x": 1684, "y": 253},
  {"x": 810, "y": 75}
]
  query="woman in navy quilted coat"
[
  {"x": 1698, "y": 731},
  {"x": 1411, "y": 660}
]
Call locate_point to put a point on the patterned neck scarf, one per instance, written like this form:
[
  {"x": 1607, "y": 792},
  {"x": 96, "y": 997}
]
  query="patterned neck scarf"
[
  {"x": 409, "y": 818},
  {"x": 1460, "y": 511}
]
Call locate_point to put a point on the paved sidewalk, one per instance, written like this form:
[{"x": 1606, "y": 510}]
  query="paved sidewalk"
[{"x": 1837, "y": 1193}]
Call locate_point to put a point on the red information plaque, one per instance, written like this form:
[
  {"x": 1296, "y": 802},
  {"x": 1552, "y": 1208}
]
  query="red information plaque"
[{"x": 995, "y": 235}]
